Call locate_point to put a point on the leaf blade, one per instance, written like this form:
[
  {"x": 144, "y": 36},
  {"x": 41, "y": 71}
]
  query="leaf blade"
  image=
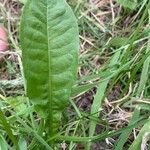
[
  {"x": 3, "y": 143},
  {"x": 50, "y": 43}
]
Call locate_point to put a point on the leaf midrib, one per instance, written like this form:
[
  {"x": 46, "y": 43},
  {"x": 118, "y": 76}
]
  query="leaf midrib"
[{"x": 50, "y": 122}]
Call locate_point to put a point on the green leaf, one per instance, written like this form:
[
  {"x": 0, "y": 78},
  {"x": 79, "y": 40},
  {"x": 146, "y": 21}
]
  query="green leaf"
[
  {"x": 128, "y": 3},
  {"x": 50, "y": 43},
  {"x": 145, "y": 70},
  {"x": 3, "y": 143},
  {"x": 30, "y": 131},
  {"x": 7, "y": 128},
  {"x": 22, "y": 144},
  {"x": 98, "y": 99},
  {"x": 22, "y": 1},
  {"x": 118, "y": 41},
  {"x": 144, "y": 132},
  {"x": 98, "y": 137},
  {"x": 18, "y": 104},
  {"x": 124, "y": 135}
]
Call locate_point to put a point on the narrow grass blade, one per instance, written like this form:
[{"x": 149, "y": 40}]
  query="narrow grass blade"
[
  {"x": 134, "y": 35},
  {"x": 29, "y": 130},
  {"x": 77, "y": 90},
  {"x": 100, "y": 136},
  {"x": 136, "y": 145},
  {"x": 124, "y": 136},
  {"x": 144, "y": 76},
  {"x": 145, "y": 70},
  {"x": 3, "y": 143},
  {"x": 135, "y": 70},
  {"x": 97, "y": 102},
  {"x": 7, "y": 128},
  {"x": 143, "y": 80}
]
